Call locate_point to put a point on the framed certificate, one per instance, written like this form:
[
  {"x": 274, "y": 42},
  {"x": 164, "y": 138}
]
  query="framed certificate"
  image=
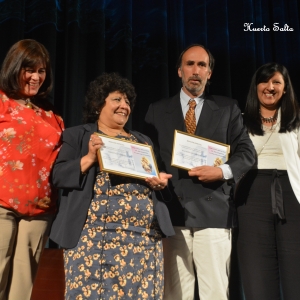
[
  {"x": 126, "y": 158},
  {"x": 191, "y": 151}
]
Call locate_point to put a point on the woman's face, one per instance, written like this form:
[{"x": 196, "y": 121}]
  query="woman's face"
[
  {"x": 270, "y": 92},
  {"x": 116, "y": 110},
  {"x": 31, "y": 79}
]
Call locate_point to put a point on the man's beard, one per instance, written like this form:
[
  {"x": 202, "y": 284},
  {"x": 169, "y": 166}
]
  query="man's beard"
[{"x": 195, "y": 89}]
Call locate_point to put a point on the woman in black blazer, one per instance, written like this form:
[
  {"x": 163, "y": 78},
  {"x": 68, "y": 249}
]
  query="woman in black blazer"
[{"x": 111, "y": 226}]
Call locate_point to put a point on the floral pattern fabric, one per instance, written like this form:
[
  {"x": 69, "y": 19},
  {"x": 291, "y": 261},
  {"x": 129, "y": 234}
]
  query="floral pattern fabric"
[
  {"x": 29, "y": 144},
  {"x": 119, "y": 253}
]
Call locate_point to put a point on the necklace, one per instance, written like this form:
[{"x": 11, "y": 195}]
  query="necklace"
[
  {"x": 122, "y": 132},
  {"x": 272, "y": 130},
  {"x": 28, "y": 103},
  {"x": 272, "y": 119}
]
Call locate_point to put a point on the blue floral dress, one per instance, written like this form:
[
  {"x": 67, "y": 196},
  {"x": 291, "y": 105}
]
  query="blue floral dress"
[{"x": 119, "y": 253}]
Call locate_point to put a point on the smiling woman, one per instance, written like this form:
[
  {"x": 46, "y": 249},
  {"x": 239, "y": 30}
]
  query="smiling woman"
[
  {"x": 268, "y": 196},
  {"x": 115, "y": 112},
  {"x": 31, "y": 79},
  {"x": 29, "y": 144},
  {"x": 111, "y": 226},
  {"x": 269, "y": 93}
]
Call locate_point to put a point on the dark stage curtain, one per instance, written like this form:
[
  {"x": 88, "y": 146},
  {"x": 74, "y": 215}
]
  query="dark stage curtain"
[{"x": 142, "y": 39}]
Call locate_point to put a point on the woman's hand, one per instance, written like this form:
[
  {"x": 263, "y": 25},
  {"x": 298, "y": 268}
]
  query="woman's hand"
[
  {"x": 95, "y": 143},
  {"x": 158, "y": 183},
  {"x": 88, "y": 160}
]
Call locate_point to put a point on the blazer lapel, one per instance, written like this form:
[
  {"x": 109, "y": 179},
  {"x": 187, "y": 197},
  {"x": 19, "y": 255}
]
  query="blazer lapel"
[
  {"x": 209, "y": 118},
  {"x": 90, "y": 129}
]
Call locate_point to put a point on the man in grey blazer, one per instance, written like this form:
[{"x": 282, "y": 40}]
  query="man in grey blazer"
[{"x": 202, "y": 209}]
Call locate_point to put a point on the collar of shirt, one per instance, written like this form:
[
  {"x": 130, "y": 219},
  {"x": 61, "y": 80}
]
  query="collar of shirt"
[{"x": 184, "y": 101}]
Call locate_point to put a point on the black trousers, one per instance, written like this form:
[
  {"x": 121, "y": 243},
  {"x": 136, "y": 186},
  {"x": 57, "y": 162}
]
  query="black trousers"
[{"x": 268, "y": 247}]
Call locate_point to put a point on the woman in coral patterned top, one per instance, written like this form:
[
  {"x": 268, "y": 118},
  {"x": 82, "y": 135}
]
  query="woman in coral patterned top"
[{"x": 29, "y": 144}]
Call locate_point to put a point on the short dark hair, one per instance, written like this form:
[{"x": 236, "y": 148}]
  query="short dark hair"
[
  {"x": 23, "y": 54},
  {"x": 98, "y": 91},
  {"x": 290, "y": 118},
  {"x": 210, "y": 56}
]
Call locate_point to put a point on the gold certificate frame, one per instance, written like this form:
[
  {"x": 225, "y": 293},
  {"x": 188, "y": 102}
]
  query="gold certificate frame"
[
  {"x": 127, "y": 158},
  {"x": 191, "y": 151}
]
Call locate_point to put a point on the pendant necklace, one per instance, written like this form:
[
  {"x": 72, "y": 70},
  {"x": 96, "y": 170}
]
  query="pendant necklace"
[
  {"x": 27, "y": 103},
  {"x": 272, "y": 130}
]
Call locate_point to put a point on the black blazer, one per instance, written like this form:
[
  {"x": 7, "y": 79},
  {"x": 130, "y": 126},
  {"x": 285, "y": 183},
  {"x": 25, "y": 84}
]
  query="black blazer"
[
  {"x": 77, "y": 189},
  {"x": 198, "y": 204}
]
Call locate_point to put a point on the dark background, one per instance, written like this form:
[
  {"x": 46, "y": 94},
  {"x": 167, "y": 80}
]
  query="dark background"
[{"x": 142, "y": 39}]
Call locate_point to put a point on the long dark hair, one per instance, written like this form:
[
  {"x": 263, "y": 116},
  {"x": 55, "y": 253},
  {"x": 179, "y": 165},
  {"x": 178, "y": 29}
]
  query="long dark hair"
[
  {"x": 290, "y": 118},
  {"x": 24, "y": 53}
]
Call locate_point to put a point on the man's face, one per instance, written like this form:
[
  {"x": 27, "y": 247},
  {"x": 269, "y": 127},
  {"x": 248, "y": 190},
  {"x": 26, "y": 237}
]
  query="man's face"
[{"x": 194, "y": 71}]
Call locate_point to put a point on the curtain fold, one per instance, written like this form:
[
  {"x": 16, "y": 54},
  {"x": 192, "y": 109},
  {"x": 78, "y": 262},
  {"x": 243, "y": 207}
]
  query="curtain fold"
[{"x": 142, "y": 40}]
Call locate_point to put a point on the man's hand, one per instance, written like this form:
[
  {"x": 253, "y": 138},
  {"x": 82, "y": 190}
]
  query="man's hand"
[{"x": 207, "y": 173}]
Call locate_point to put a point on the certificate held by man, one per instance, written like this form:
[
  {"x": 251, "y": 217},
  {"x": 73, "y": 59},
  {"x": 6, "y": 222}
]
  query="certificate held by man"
[
  {"x": 127, "y": 158},
  {"x": 191, "y": 151}
]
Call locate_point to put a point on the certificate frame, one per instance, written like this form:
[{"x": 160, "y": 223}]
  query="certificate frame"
[
  {"x": 191, "y": 151},
  {"x": 126, "y": 158}
]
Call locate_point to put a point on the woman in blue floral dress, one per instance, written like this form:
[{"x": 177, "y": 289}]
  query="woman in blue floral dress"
[{"x": 111, "y": 226}]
